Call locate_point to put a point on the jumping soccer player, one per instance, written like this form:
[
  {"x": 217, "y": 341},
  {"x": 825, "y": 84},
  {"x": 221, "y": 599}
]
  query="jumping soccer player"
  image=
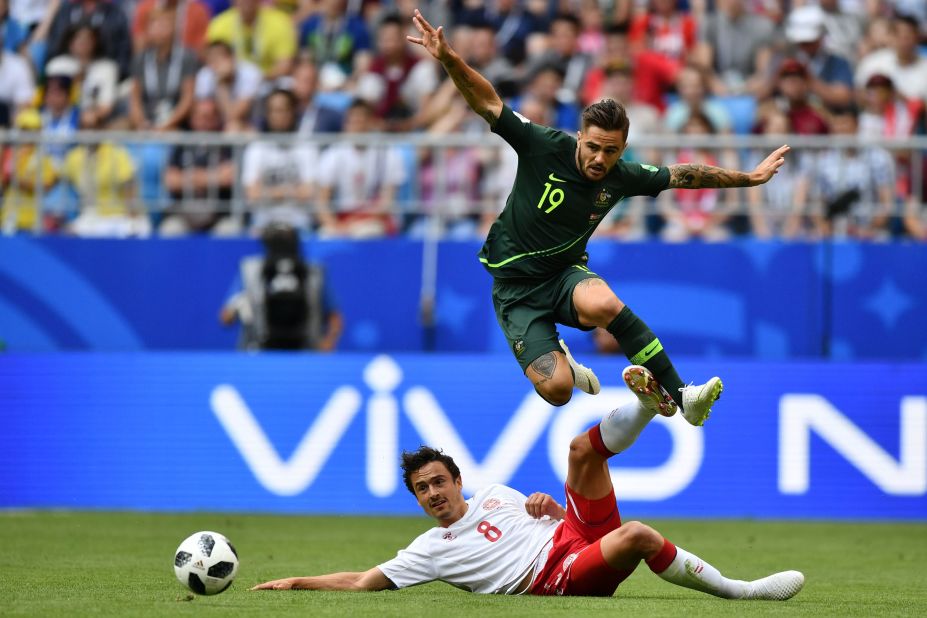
[
  {"x": 536, "y": 250},
  {"x": 502, "y": 542}
]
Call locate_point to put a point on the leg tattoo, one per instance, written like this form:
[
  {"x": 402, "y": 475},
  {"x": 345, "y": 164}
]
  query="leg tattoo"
[
  {"x": 545, "y": 366},
  {"x": 588, "y": 283}
]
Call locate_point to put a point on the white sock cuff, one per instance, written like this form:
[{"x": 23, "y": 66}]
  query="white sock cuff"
[{"x": 621, "y": 427}]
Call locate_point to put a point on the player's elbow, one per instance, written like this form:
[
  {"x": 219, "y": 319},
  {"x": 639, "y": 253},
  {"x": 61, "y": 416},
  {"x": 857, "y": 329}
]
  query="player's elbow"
[
  {"x": 488, "y": 114},
  {"x": 370, "y": 581}
]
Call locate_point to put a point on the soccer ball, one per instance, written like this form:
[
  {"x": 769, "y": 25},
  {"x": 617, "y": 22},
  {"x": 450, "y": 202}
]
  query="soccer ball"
[{"x": 206, "y": 563}]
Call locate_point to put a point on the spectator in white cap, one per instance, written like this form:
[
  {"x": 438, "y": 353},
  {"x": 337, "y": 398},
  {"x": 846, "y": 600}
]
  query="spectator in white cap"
[
  {"x": 831, "y": 77},
  {"x": 95, "y": 77}
]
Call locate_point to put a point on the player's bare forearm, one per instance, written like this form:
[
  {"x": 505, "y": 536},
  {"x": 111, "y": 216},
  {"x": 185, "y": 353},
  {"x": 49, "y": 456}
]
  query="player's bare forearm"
[
  {"x": 367, "y": 581},
  {"x": 333, "y": 581},
  {"x": 476, "y": 89},
  {"x": 699, "y": 176}
]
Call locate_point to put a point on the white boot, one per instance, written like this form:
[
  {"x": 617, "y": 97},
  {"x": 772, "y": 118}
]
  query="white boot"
[
  {"x": 697, "y": 400},
  {"x": 776, "y": 587},
  {"x": 583, "y": 377}
]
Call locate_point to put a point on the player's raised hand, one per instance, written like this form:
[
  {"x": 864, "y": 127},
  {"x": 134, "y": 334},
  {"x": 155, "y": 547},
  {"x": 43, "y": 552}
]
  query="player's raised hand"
[
  {"x": 432, "y": 39},
  {"x": 768, "y": 167},
  {"x": 539, "y": 504}
]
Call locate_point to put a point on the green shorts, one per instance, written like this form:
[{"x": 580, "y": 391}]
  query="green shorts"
[{"x": 528, "y": 311}]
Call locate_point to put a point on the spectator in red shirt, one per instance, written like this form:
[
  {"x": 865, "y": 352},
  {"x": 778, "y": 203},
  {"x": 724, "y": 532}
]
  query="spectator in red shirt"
[
  {"x": 794, "y": 89},
  {"x": 668, "y": 30},
  {"x": 403, "y": 84},
  {"x": 654, "y": 75},
  {"x": 192, "y": 20},
  {"x": 885, "y": 112}
]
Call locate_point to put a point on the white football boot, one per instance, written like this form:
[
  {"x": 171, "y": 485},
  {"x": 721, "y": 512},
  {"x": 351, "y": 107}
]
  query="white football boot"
[
  {"x": 697, "y": 400},
  {"x": 649, "y": 392},
  {"x": 583, "y": 377},
  {"x": 776, "y": 587}
]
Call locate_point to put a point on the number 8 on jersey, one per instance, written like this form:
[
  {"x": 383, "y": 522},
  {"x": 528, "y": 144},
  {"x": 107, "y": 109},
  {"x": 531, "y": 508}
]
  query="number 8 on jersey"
[{"x": 488, "y": 530}]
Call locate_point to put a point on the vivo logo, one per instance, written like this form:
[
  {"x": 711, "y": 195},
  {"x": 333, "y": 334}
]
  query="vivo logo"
[{"x": 288, "y": 477}]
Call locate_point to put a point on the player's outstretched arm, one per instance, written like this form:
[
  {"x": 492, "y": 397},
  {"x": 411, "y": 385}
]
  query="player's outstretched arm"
[
  {"x": 476, "y": 89},
  {"x": 367, "y": 581},
  {"x": 698, "y": 176}
]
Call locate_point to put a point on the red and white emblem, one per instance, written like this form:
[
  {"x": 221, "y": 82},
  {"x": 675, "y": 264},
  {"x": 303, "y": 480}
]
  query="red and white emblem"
[{"x": 491, "y": 504}]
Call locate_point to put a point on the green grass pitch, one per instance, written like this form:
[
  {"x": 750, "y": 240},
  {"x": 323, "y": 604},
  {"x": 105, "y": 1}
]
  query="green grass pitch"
[{"x": 120, "y": 564}]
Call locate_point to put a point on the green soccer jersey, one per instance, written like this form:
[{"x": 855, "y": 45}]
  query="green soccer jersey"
[{"x": 553, "y": 209}]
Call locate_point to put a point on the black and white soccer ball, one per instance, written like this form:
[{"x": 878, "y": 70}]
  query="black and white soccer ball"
[{"x": 206, "y": 563}]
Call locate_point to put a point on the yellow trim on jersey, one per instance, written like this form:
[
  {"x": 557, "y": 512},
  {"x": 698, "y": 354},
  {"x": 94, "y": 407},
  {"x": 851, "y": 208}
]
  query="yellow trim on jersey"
[{"x": 541, "y": 252}]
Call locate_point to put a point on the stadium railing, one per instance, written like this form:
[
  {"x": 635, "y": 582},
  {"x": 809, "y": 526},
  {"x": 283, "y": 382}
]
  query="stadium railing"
[{"x": 433, "y": 193}]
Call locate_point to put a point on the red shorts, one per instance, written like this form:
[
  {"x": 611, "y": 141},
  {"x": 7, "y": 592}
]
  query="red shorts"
[{"x": 575, "y": 565}]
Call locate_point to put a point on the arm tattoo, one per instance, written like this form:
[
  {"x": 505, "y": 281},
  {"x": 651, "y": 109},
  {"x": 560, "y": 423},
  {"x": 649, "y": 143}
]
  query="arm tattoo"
[
  {"x": 545, "y": 366},
  {"x": 698, "y": 176},
  {"x": 473, "y": 91}
]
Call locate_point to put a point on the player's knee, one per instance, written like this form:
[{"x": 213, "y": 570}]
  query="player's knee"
[
  {"x": 643, "y": 539},
  {"x": 581, "y": 449},
  {"x": 552, "y": 378},
  {"x": 601, "y": 309},
  {"x": 556, "y": 392}
]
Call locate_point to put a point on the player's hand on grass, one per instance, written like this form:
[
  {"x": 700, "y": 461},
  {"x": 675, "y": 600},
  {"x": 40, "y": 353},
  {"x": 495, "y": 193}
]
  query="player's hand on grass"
[
  {"x": 539, "y": 504},
  {"x": 277, "y": 584},
  {"x": 432, "y": 39},
  {"x": 768, "y": 167}
]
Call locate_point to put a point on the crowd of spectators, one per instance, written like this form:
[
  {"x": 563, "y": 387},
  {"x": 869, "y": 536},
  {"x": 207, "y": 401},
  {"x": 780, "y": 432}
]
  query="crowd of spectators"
[{"x": 300, "y": 68}]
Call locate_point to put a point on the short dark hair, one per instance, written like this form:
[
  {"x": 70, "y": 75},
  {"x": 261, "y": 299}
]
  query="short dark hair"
[
  {"x": 360, "y": 103},
  {"x": 63, "y": 48},
  {"x": 481, "y": 23},
  {"x": 223, "y": 45},
  {"x": 699, "y": 116},
  {"x": 618, "y": 29},
  {"x": 569, "y": 18},
  {"x": 607, "y": 114},
  {"x": 285, "y": 92},
  {"x": 910, "y": 20},
  {"x": 544, "y": 67},
  {"x": 415, "y": 460},
  {"x": 391, "y": 19},
  {"x": 849, "y": 109}
]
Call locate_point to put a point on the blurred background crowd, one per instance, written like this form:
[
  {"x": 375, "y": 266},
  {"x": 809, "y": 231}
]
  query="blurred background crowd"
[{"x": 173, "y": 117}]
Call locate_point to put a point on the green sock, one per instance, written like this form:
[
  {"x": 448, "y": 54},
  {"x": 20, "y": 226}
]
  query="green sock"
[{"x": 642, "y": 348}]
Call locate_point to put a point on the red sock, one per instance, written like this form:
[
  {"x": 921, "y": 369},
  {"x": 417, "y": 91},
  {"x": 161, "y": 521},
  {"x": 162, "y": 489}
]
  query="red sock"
[
  {"x": 595, "y": 436},
  {"x": 660, "y": 561}
]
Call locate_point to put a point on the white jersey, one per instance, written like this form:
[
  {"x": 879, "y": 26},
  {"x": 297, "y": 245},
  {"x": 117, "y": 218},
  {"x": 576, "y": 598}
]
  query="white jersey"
[{"x": 490, "y": 550}]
